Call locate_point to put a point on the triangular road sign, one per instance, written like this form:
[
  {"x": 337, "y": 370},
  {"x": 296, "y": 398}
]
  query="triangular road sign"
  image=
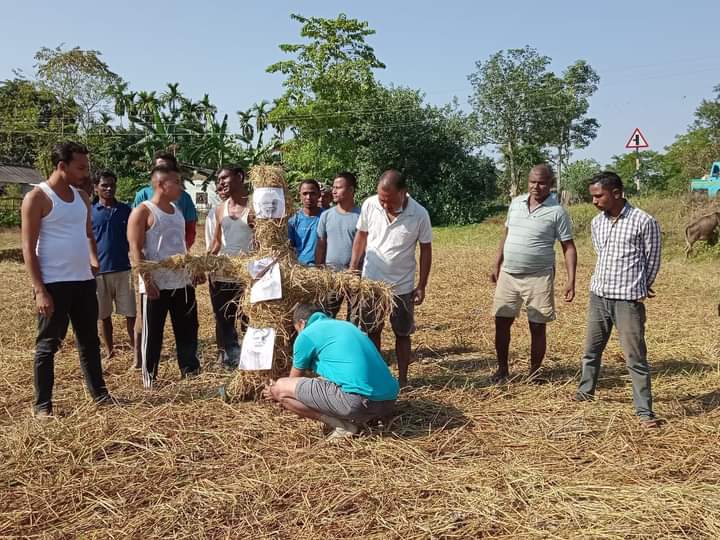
[{"x": 637, "y": 140}]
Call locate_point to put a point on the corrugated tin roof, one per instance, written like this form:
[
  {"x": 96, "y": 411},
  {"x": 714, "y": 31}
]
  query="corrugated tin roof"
[{"x": 12, "y": 174}]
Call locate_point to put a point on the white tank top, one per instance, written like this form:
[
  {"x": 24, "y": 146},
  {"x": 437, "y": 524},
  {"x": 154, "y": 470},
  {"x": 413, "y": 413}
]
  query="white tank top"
[
  {"x": 237, "y": 237},
  {"x": 166, "y": 237},
  {"x": 62, "y": 247}
]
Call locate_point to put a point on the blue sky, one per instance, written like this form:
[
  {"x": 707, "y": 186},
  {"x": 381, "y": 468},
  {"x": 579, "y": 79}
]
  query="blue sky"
[{"x": 657, "y": 60}]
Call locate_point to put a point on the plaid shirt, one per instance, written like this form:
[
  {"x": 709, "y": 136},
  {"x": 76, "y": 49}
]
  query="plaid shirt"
[{"x": 628, "y": 250}]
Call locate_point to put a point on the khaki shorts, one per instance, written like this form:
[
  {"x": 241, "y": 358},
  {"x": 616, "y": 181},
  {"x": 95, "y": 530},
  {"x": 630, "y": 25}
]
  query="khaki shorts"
[
  {"x": 115, "y": 287},
  {"x": 535, "y": 290},
  {"x": 402, "y": 317}
]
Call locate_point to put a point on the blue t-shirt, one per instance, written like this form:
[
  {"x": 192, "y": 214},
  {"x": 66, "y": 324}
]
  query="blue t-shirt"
[
  {"x": 302, "y": 233},
  {"x": 184, "y": 203},
  {"x": 339, "y": 230},
  {"x": 341, "y": 353},
  {"x": 110, "y": 229}
]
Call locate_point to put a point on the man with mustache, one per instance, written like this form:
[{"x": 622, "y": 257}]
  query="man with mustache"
[{"x": 524, "y": 270}]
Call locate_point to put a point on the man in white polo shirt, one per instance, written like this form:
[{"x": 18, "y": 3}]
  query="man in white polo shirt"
[
  {"x": 524, "y": 268},
  {"x": 391, "y": 225}
]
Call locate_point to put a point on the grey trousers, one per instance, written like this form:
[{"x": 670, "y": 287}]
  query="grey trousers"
[{"x": 629, "y": 318}]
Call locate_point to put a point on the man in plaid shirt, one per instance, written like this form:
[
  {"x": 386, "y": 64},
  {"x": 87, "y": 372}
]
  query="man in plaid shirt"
[{"x": 627, "y": 243}]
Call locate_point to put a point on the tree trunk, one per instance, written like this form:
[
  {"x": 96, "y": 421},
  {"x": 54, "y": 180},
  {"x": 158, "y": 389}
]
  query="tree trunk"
[
  {"x": 513, "y": 171},
  {"x": 558, "y": 181}
]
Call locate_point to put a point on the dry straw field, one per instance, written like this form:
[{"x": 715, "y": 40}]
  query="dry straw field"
[{"x": 463, "y": 458}]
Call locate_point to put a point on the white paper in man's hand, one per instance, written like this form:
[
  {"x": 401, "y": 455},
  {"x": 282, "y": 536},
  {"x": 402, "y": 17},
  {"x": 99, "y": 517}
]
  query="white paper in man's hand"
[
  {"x": 268, "y": 287},
  {"x": 257, "y": 349}
]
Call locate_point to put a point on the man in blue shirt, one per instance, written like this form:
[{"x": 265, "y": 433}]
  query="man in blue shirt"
[
  {"x": 109, "y": 223},
  {"x": 354, "y": 384},
  {"x": 302, "y": 227},
  {"x": 184, "y": 203}
]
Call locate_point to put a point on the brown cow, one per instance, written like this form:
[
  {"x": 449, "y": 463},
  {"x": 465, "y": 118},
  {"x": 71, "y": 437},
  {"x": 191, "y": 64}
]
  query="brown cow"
[{"x": 703, "y": 228}]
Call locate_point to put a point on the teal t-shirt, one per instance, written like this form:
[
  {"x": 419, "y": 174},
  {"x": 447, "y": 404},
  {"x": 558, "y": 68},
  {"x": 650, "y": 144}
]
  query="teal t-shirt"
[{"x": 339, "y": 352}]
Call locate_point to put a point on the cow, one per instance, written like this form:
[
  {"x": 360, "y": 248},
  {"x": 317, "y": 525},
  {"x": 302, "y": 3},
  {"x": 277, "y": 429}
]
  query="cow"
[{"x": 703, "y": 228}]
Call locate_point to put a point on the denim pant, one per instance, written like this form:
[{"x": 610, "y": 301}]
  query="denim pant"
[
  {"x": 629, "y": 318},
  {"x": 74, "y": 302}
]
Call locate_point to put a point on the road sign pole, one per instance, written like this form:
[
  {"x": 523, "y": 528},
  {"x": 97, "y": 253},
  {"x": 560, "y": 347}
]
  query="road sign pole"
[{"x": 637, "y": 169}]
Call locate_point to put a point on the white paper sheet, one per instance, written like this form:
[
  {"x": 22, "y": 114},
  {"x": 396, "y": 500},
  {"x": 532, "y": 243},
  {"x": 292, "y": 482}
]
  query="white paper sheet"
[
  {"x": 269, "y": 203},
  {"x": 257, "y": 349},
  {"x": 268, "y": 287}
]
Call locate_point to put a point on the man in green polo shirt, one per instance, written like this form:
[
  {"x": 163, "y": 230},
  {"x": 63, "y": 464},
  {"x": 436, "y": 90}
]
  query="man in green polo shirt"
[
  {"x": 524, "y": 270},
  {"x": 354, "y": 384}
]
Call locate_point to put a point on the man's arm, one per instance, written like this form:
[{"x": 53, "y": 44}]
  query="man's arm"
[
  {"x": 425, "y": 264},
  {"x": 652, "y": 239},
  {"x": 570, "y": 253},
  {"x": 295, "y": 372},
  {"x": 217, "y": 234},
  {"x": 499, "y": 256},
  {"x": 94, "y": 262},
  {"x": 190, "y": 233},
  {"x": 358, "y": 249},
  {"x": 32, "y": 211},
  {"x": 320, "y": 251},
  {"x": 137, "y": 225}
]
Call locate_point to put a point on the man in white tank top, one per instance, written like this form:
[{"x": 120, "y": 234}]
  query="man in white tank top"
[
  {"x": 156, "y": 231},
  {"x": 233, "y": 236},
  {"x": 60, "y": 256}
]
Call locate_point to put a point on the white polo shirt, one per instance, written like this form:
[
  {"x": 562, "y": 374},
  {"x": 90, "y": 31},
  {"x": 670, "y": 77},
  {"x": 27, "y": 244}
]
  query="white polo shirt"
[{"x": 390, "y": 252}]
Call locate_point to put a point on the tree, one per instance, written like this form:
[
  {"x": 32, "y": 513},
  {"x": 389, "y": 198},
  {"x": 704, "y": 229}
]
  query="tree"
[
  {"x": 577, "y": 175},
  {"x": 31, "y": 119},
  {"x": 324, "y": 82},
  {"x": 77, "y": 76},
  {"x": 707, "y": 116},
  {"x": 570, "y": 103},
  {"x": 652, "y": 173},
  {"x": 510, "y": 96}
]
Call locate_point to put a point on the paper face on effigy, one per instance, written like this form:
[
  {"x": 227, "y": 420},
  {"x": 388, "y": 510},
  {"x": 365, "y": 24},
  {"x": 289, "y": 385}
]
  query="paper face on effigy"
[
  {"x": 257, "y": 349},
  {"x": 269, "y": 203},
  {"x": 268, "y": 286}
]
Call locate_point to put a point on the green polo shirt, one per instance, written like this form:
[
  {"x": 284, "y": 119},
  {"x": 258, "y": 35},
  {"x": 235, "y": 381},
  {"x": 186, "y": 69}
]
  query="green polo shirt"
[
  {"x": 339, "y": 352},
  {"x": 530, "y": 243}
]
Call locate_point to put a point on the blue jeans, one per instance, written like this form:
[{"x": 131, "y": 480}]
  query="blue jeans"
[{"x": 629, "y": 318}]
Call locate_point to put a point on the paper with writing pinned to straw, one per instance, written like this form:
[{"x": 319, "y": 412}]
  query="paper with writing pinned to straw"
[
  {"x": 257, "y": 349},
  {"x": 268, "y": 285}
]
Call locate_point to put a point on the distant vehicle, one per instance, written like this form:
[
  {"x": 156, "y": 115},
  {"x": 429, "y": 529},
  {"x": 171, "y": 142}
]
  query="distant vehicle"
[{"x": 708, "y": 184}]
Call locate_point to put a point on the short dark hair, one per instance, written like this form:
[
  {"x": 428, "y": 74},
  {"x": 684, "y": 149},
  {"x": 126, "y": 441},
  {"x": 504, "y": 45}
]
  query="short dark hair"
[
  {"x": 105, "y": 174},
  {"x": 66, "y": 151},
  {"x": 393, "y": 178},
  {"x": 303, "y": 312},
  {"x": 310, "y": 181},
  {"x": 165, "y": 156},
  {"x": 349, "y": 178},
  {"x": 162, "y": 169},
  {"x": 546, "y": 169},
  {"x": 234, "y": 169},
  {"x": 608, "y": 180}
]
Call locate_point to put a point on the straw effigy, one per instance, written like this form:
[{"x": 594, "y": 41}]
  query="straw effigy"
[{"x": 300, "y": 284}]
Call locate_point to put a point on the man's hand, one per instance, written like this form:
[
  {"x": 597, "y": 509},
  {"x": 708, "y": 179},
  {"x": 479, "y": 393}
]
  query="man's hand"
[
  {"x": 651, "y": 293},
  {"x": 44, "y": 303},
  {"x": 418, "y": 295},
  {"x": 267, "y": 392},
  {"x": 494, "y": 275},
  {"x": 94, "y": 269},
  {"x": 151, "y": 290},
  {"x": 569, "y": 292}
]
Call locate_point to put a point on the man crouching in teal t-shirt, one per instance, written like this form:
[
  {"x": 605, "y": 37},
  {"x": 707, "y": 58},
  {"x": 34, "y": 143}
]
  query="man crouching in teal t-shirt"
[{"x": 354, "y": 384}]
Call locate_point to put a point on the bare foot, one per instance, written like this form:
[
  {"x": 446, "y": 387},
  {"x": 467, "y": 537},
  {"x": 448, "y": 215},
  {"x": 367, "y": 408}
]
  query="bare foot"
[{"x": 499, "y": 377}]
